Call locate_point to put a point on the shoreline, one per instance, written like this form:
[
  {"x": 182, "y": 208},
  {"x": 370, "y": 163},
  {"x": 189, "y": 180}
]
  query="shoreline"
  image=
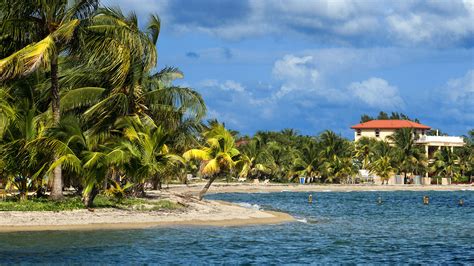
[
  {"x": 217, "y": 188},
  {"x": 195, "y": 213},
  {"x": 276, "y": 218}
]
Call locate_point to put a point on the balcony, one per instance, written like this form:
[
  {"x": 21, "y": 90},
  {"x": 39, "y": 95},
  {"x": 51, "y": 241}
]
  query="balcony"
[{"x": 441, "y": 140}]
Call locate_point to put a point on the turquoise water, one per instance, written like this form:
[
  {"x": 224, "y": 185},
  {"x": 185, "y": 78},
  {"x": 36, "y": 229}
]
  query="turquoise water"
[{"x": 343, "y": 227}]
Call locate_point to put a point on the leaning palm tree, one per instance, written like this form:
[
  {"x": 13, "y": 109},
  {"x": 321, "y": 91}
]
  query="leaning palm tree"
[
  {"x": 47, "y": 29},
  {"x": 218, "y": 156}
]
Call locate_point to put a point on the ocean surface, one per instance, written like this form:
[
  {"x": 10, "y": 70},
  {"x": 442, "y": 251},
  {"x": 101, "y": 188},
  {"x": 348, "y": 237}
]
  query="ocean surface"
[{"x": 338, "y": 227}]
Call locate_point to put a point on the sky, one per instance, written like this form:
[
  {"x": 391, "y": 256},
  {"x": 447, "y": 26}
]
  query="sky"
[{"x": 314, "y": 65}]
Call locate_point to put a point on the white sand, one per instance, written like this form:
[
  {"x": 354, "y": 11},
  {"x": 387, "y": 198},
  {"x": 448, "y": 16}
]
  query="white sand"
[
  {"x": 207, "y": 212},
  {"x": 213, "y": 213},
  {"x": 261, "y": 188}
]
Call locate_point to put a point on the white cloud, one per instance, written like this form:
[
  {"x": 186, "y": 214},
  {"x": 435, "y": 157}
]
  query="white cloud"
[
  {"x": 377, "y": 93},
  {"x": 461, "y": 90},
  {"x": 454, "y": 103},
  {"x": 405, "y": 23},
  {"x": 298, "y": 73},
  {"x": 232, "y": 85},
  {"x": 228, "y": 85}
]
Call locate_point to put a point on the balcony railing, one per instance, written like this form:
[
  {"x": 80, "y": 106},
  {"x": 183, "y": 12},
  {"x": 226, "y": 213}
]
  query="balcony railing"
[{"x": 441, "y": 139}]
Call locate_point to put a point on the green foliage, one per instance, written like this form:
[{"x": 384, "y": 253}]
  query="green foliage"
[
  {"x": 79, "y": 93},
  {"x": 42, "y": 205},
  {"x": 384, "y": 116},
  {"x": 75, "y": 203},
  {"x": 117, "y": 191}
]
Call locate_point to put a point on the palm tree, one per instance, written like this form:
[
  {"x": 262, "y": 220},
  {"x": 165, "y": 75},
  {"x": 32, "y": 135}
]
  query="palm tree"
[
  {"x": 280, "y": 159},
  {"x": 126, "y": 86},
  {"x": 308, "y": 161},
  {"x": 23, "y": 163},
  {"x": 446, "y": 163},
  {"x": 149, "y": 154},
  {"x": 382, "y": 167},
  {"x": 218, "y": 156},
  {"x": 466, "y": 156},
  {"x": 254, "y": 159},
  {"x": 336, "y": 156},
  {"x": 81, "y": 154},
  {"x": 47, "y": 28},
  {"x": 364, "y": 151},
  {"x": 408, "y": 156}
]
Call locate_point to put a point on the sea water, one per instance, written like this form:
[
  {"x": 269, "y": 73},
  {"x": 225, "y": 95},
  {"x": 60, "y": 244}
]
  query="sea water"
[{"x": 338, "y": 227}]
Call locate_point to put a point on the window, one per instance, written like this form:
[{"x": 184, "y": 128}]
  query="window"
[
  {"x": 377, "y": 133},
  {"x": 423, "y": 132},
  {"x": 359, "y": 132}
]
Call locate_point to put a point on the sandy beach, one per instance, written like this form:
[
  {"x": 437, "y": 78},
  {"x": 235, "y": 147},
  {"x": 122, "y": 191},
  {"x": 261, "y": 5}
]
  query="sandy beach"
[
  {"x": 193, "y": 213},
  {"x": 222, "y": 187}
]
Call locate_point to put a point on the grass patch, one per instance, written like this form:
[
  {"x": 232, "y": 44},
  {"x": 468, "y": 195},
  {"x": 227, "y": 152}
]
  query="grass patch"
[
  {"x": 75, "y": 203},
  {"x": 12, "y": 204}
]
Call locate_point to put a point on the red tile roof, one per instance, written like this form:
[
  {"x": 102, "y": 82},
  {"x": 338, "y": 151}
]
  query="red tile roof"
[{"x": 389, "y": 124}]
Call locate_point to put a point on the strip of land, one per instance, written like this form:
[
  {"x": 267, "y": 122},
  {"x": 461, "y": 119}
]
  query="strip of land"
[
  {"x": 193, "y": 213},
  {"x": 222, "y": 187}
]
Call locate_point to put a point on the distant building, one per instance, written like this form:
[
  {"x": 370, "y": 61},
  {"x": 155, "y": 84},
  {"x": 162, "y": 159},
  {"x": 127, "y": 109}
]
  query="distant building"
[{"x": 381, "y": 129}]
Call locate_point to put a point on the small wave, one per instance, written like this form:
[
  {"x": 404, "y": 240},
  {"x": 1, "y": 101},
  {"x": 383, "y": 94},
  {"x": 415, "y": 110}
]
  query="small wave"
[
  {"x": 327, "y": 190},
  {"x": 304, "y": 220},
  {"x": 249, "y": 205}
]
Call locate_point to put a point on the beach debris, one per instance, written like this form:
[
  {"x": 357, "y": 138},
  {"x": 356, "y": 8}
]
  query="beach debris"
[
  {"x": 426, "y": 200},
  {"x": 310, "y": 198}
]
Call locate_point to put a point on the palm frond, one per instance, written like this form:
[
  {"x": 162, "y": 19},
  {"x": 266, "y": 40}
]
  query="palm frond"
[
  {"x": 81, "y": 97},
  {"x": 196, "y": 154},
  {"x": 212, "y": 167},
  {"x": 81, "y": 9},
  {"x": 28, "y": 59},
  {"x": 154, "y": 26}
]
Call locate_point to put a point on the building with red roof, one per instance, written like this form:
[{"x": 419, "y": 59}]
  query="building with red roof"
[{"x": 381, "y": 129}]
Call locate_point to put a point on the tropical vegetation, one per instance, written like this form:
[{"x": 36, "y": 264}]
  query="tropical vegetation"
[{"x": 84, "y": 111}]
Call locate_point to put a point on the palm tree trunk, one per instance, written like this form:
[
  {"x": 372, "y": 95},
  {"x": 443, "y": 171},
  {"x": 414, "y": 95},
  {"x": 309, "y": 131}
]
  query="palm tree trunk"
[
  {"x": 88, "y": 199},
  {"x": 57, "y": 187},
  {"x": 157, "y": 183},
  {"x": 207, "y": 186}
]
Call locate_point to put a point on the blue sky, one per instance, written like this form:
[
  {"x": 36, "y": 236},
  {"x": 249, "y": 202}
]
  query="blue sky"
[{"x": 314, "y": 65}]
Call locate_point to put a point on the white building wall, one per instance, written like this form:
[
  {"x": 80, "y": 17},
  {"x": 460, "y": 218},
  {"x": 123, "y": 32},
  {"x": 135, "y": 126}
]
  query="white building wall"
[{"x": 383, "y": 133}]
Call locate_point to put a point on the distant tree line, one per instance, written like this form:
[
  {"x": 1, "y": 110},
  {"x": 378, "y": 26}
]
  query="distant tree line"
[
  {"x": 84, "y": 110},
  {"x": 385, "y": 116}
]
